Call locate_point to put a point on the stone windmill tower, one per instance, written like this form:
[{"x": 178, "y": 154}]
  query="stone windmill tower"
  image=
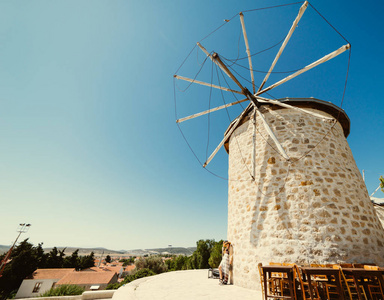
[
  {"x": 296, "y": 194},
  {"x": 313, "y": 209}
]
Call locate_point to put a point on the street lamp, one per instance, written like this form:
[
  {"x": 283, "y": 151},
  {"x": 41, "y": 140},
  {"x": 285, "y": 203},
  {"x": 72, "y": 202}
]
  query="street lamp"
[{"x": 22, "y": 228}]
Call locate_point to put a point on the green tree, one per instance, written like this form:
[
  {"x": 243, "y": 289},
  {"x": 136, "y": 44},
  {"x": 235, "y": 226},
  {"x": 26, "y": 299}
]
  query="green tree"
[
  {"x": 180, "y": 262},
  {"x": 215, "y": 257},
  {"x": 72, "y": 261},
  {"x": 41, "y": 256},
  {"x": 208, "y": 252},
  {"x": 55, "y": 258},
  {"x": 381, "y": 183},
  {"x": 192, "y": 262},
  {"x": 203, "y": 252},
  {"x": 127, "y": 262},
  {"x": 25, "y": 259},
  {"x": 108, "y": 259},
  {"x": 154, "y": 263},
  {"x": 87, "y": 261}
]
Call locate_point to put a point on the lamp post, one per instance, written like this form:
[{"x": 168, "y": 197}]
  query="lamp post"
[{"x": 23, "y": 227}]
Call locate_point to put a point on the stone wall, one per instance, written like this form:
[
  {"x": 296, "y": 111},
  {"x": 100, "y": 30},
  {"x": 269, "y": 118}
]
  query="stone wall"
[{"x": 313, "y": 209}]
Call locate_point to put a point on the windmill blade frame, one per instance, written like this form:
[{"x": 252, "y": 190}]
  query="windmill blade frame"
[
  {"x": 248, "y": 52},
  {"x": 287, "y": 38},
  {"x": 206, "y": 84},
  {"x": 307, "y": 68},
  {"x": 254, "y": 98}
]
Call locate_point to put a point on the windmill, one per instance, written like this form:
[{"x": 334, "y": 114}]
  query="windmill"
[{"x": 307, "y": 201}]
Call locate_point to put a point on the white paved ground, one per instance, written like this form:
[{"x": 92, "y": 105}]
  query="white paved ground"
[{"x": 191, "y": 284}]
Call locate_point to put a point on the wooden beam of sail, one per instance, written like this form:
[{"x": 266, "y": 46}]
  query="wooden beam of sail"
[
  {"x": 256, "y": 105},
  {"x": 276, "y": 102},
  {"x": 226, "y": 71},
  {"x": 206, "y": 84},
  {"x": 248, "y": 52},
  {"x": 293, "y": 27},
  {"x": 254, "y": 101},
  {"x": 239, "y": 119},
  {"x": 269, "y": 131},
  {"x": 307, "y": 68},
  {"x": 375, "y": 191},
  {"x": 242, "y": 115},
  {"x": 261, "y": 100},
  {"x": 210, "y": 110}
]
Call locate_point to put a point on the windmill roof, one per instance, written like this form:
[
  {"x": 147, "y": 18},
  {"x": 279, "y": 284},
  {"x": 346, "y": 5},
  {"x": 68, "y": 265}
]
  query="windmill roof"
[{"x": 325, "y": 106}]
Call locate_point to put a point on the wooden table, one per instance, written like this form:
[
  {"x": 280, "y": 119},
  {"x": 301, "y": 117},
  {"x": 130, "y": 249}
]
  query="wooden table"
[
  {"x": 329, "y": 272},
  {"x": 359, "y": 275},
  {"x": 267, "y": 273}
]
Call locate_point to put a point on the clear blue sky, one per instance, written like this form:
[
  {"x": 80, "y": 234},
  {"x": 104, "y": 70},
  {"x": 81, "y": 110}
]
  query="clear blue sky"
[{"x": 90, "y": 154}]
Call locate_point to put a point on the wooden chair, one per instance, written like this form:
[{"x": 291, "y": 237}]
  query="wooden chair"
[
  {"x": 370, "y": 267},
  {"x": 330, "y": 286},
  {"x": 305, "y": 286},
  {"x": 270, "y": 284},
  {"x": 278, "y": 277},
  {"x": 320, "y": 277},
  {"x": 278, "y": 284},
  {"x": 346, "y": 265},
  {"x": 281, "y": 283},
  {"x": 374, "y": 288},
  {"x": 351, "y": 287},
  {"x": 285, "y": 282}
]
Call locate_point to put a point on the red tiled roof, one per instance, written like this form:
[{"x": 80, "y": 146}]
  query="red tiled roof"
[
  {"x": 130, "y": 268},
  {"x": 114, "y": 268},
  {"x": 51, "y": 273},
  {"x": 87, "y": 278}
]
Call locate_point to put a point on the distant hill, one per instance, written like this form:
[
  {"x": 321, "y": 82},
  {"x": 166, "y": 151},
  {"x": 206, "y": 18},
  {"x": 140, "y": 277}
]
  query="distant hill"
[
  {"x": 136, "y": 252},
  {"x": 171, "y": 250},
  {"x": 87, "y": 251}
]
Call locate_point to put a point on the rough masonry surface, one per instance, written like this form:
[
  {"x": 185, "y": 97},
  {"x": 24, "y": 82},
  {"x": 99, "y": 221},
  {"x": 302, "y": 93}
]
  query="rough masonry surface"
[{"x": 314, "y": 208}]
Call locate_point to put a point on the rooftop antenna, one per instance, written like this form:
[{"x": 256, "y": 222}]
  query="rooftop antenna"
[{"x": 101, "y": 257}]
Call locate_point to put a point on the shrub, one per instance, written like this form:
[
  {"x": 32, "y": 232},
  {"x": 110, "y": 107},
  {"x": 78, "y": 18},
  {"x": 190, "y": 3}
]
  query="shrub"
[
  {"x": 139, "y": 274},
  {"x": 64, "y": 290},
  {"x": 154, "y": 263}
]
